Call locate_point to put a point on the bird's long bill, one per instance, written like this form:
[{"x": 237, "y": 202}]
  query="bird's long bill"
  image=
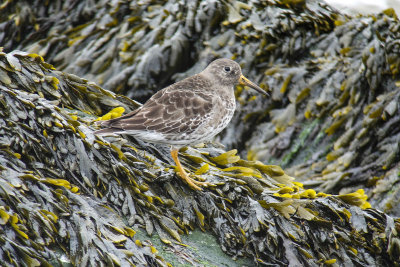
[{"x": 244, "y": 81}]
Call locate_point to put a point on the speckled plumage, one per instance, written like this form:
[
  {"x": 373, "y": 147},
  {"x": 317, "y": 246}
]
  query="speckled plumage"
[{"x": 188, "y": 112}]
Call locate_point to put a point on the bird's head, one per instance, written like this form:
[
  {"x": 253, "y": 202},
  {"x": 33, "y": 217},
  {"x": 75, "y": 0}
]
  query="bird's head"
[{"x": 228, "y": 73}]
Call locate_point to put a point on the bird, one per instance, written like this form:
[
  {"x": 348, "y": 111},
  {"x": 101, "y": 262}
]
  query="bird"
[{"x": 188, "y": 112}]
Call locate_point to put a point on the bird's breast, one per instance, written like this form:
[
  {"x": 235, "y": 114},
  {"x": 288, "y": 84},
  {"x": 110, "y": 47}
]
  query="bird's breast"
[
  {"x": 225, "y": 113},
  {"x": 222, "y": 113}
]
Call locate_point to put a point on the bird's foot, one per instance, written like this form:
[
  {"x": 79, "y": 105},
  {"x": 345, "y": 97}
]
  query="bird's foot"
[
  {"x": 192, "y": 182},
  {"x": 181, "y": 172}
]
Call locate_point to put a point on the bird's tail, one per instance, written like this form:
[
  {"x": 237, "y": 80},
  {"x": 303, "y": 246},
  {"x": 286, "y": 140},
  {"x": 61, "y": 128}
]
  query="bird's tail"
[
  {"x": 107, "y": 131},
  {"x": 109, "y": 124}
]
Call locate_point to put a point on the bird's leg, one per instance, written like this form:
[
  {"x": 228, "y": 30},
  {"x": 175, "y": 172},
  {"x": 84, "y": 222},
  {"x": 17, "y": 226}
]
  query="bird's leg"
[{"x": 181, "y": 172}]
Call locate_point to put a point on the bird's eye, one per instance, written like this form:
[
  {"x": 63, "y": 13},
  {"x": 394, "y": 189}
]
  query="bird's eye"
[{"x": 227, "y": 69}]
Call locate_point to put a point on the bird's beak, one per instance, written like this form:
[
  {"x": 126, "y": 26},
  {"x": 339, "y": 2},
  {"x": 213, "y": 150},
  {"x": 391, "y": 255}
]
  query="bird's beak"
[{"x": 244, "y": 81}]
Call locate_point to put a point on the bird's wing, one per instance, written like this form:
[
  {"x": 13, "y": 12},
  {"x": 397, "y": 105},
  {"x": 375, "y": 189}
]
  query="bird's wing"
[{"x": 168, "y": 112}]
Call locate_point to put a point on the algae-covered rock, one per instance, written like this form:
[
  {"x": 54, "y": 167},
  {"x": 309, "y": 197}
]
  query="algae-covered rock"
[
  {"x": 331, "y": 122},
  {"x": 69, "y": 196}
]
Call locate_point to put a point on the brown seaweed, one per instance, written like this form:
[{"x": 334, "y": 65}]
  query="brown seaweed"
[
  {"x": 332, "y": 123},
  {"x": 65, "y": 191}
]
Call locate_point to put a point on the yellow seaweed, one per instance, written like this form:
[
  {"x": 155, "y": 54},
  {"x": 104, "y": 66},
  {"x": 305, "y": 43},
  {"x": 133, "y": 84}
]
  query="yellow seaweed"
[
  {"x": 114, "y": 113},
  {"x": 358, "y": 198},
  {"x": 203, "y": 169},
  {"x": 226, "y": 158}
]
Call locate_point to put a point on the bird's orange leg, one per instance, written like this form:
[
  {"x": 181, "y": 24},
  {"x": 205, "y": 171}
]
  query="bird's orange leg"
[{"x": 181, "y": 172}]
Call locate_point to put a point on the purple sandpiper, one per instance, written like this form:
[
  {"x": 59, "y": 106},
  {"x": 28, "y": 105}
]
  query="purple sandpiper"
[{"x": 185, "y": 113}]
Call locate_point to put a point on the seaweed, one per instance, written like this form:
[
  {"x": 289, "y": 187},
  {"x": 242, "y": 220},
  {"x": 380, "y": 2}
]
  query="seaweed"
[
  {"x": 331, "y": 122},
  {"x": 67, "y": 192}
]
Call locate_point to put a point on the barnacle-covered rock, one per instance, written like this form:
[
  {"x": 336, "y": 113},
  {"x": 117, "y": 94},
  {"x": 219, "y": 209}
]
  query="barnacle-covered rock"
[{"x": 67, "y": 192}]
